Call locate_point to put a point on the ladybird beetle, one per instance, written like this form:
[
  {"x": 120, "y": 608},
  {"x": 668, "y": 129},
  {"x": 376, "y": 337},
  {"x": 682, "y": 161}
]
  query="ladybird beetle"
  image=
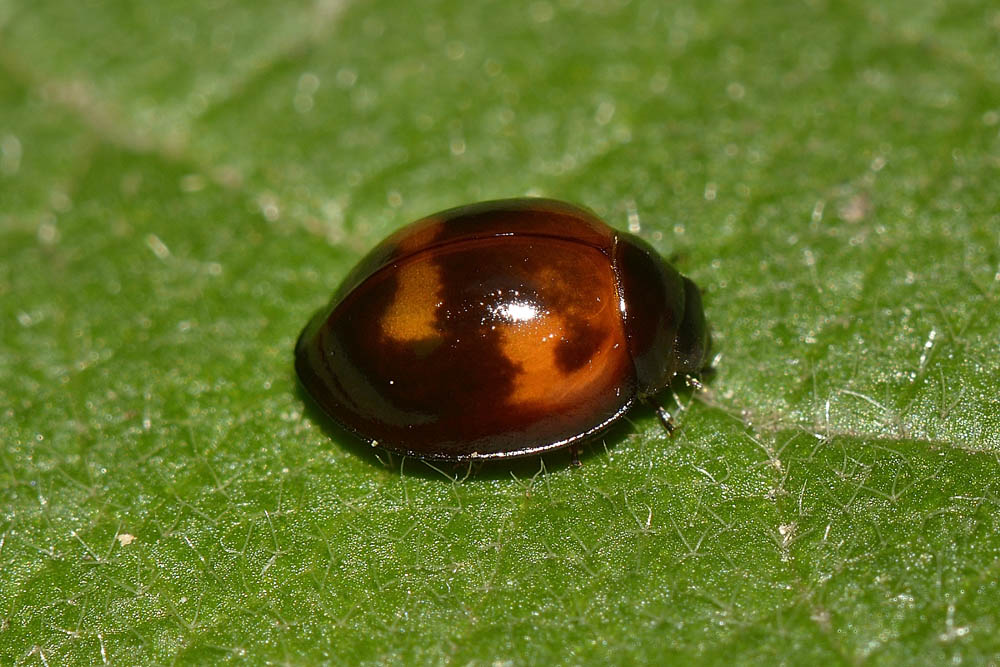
[{"x": 500, "y": 329}]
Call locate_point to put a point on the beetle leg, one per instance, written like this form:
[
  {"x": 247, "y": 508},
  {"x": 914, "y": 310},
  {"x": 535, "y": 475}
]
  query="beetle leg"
[
  {"x": 575, "y": 453},
  {"x": 665, "y": 419}
]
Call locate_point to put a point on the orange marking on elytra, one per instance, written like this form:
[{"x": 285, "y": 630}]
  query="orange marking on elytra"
[
  {"x": 413, "y": 312},
  {"x": 540, "y": 380},
  {"x": 532, "y": 345}
]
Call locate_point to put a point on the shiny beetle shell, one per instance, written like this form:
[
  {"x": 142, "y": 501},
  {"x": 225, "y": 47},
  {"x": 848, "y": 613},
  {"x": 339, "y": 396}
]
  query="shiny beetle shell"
[{"x": 500, "y": 329}]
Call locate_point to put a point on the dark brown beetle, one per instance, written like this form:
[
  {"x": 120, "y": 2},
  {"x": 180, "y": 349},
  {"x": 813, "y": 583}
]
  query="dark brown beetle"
[{"x": 500, "y": 329}]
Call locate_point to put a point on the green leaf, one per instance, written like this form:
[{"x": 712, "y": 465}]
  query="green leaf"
[{"x": 182, "y": 184}]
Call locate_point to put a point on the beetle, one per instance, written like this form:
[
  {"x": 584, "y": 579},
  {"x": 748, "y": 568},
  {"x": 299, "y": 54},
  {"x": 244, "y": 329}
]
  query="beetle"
[{"x": 500, "y": 329}]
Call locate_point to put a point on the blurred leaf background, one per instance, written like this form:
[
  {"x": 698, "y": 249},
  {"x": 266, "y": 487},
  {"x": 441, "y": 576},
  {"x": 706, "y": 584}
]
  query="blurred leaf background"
[{"x": 183, "y": 183}]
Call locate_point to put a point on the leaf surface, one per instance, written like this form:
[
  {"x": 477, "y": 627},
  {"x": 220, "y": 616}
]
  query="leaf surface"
[{"x": 183, "y": 184}]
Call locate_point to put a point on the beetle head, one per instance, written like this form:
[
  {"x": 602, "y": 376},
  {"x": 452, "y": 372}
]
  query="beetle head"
[{"x": 663, "y": 315}]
